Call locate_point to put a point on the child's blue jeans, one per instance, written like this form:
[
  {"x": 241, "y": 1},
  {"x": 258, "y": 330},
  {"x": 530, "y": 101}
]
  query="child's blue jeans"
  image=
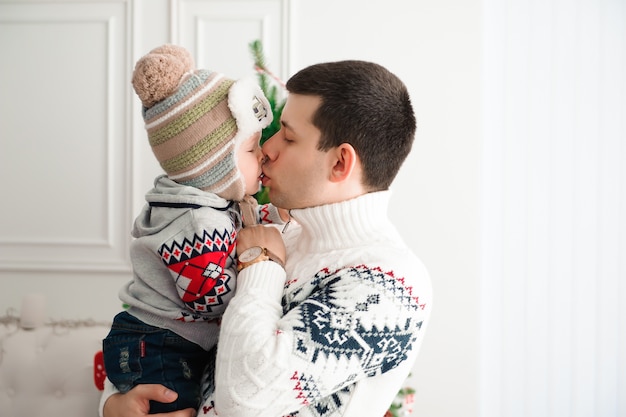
[{"x": 137, "y": 353}]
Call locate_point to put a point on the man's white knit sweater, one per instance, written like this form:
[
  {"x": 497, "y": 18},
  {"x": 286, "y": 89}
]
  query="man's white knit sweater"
[{"x": 337, "y": 333}]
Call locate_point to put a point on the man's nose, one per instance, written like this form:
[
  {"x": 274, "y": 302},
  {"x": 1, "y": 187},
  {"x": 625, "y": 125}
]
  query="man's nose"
[{"x": 260, "y": 155}]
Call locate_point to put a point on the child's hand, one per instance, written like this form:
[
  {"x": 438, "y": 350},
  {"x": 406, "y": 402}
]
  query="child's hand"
[{"x": 248, "y": 208}]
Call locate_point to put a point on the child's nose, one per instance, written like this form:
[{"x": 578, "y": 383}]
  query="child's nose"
[{"x": 268, "y": 148}]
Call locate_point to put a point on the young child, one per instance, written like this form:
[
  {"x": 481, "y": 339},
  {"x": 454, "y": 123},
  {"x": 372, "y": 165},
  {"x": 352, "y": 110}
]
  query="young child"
[{"x": 204, "y": 129}]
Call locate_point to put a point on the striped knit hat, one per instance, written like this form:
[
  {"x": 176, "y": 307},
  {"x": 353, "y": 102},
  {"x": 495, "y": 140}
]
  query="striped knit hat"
[{"x": 196, "y": 118}]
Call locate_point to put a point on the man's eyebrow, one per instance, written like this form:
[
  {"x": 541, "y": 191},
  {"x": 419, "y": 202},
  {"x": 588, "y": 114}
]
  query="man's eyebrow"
[{"x": 288, "y": 126}]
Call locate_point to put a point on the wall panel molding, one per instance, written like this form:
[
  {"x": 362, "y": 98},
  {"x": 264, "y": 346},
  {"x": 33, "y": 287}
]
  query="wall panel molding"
[
  {"x": 218, "y": 33},
  {"x": 64, "y": 115}
]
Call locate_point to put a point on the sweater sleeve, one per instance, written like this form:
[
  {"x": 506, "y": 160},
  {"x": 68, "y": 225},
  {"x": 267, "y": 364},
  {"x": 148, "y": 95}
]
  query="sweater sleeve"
[
  {"x": 356, "y": 322},
  {"x": 254, "y": 213},
  {"x": 269, "y": 214}
]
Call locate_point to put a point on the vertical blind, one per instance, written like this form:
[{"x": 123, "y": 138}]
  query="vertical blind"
[{"x": 553, "y": 275}]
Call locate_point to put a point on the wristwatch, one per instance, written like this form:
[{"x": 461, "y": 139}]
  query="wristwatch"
[{"x": 256, "y": 254}]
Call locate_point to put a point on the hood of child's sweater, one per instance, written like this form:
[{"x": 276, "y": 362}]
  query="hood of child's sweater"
[{"x": 168, "y": 201}]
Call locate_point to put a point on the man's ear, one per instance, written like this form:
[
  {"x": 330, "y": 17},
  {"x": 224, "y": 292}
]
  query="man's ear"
[{"x": 345, "y": 161}]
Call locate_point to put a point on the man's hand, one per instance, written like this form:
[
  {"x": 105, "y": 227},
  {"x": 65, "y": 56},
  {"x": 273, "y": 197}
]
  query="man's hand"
[
  {"x": 136, "y": 402},
  {"x": 265, "y": 236}
]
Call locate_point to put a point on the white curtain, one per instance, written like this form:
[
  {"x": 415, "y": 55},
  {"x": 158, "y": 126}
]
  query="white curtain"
[{"x": 554, "y": 209}]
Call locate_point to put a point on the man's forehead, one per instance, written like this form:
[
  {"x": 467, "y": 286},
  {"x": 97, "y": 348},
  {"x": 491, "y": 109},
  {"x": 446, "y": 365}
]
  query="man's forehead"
[{"x": 299, "y": 110}]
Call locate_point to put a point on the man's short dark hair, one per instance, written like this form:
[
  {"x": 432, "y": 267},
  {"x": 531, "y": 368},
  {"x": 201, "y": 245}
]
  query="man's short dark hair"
[{"x": 365, "y": 105}]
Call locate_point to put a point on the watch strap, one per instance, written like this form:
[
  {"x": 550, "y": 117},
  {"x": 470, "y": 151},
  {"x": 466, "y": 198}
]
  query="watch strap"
[{"x": 266, "y": 255}]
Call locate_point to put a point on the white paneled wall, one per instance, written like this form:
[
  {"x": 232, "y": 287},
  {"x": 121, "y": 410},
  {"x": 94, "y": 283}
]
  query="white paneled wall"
[
  {"x": 554, "y": 209},
  {"x": 64, "y": 151},
  {"x": 218, "y": 31}
]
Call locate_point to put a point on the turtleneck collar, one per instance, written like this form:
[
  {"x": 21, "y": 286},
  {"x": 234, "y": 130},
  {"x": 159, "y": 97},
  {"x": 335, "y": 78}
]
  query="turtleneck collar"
[{"x": 348, "y": 223}]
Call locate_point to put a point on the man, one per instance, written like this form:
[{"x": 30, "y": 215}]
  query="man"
[{"x": 336, "y": 332}]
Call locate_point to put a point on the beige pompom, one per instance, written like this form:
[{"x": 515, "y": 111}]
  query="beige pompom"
[
  {"x": 179, "y": 52},
  {"x": 158, "y": 74}
]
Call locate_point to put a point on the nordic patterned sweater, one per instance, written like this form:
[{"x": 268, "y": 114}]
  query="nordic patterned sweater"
[
  {"x": 337, "y": 333},
  {"x": 183, "y": 257}
]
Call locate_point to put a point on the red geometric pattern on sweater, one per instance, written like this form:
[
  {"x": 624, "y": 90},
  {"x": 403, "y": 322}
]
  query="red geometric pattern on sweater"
[
  {"x": 376, "y": 274},
  {"x": 264, "y": 213},
  {"x": 199, "y": 268},
  {"x": 302, "y": 386},
  {"x": 214, "y": 242},
  {"x": 408, "y": 288},
  {"x": 319, "y": 406}
]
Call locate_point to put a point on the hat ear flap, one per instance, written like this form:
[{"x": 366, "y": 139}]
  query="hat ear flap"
[{"x": 250, "y": 107}]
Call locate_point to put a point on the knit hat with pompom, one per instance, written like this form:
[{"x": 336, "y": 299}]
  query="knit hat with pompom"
[{"x": 196, "y": 118}]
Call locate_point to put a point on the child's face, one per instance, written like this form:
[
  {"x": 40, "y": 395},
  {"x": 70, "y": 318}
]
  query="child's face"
[{"x": 249, "y": 157}]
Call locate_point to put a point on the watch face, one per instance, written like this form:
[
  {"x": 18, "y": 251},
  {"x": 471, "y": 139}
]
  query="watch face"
[{"x": 250, "y": 254}]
